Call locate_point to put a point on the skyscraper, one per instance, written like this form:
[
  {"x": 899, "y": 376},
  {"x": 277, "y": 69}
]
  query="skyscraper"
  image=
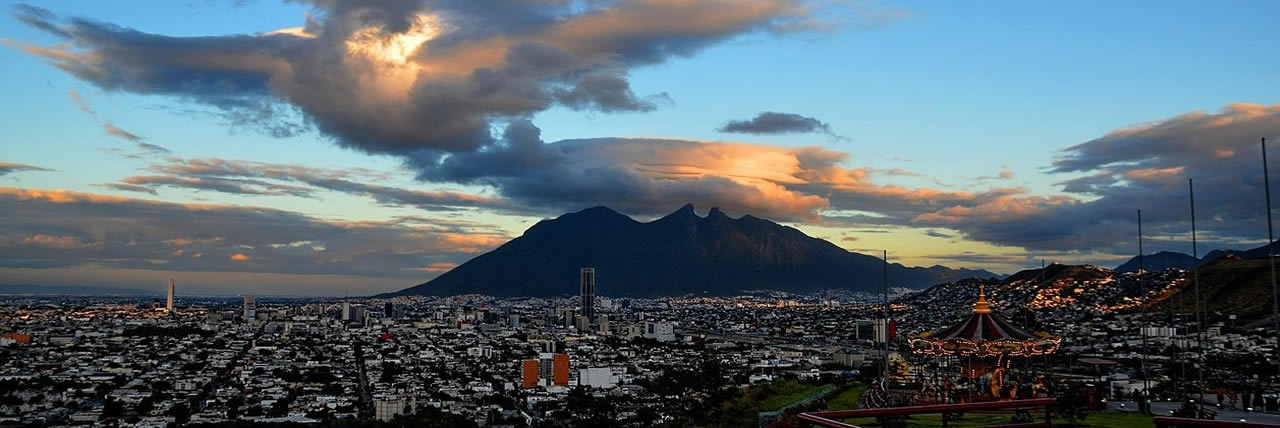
[
  {"x": 587, "y": 287},
  {"x": 250, "y": 308},
  {"x": 168, "y": 306}
]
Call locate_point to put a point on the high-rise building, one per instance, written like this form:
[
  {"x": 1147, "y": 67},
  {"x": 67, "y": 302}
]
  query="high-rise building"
[
  {"x": 388, "y": 310},
  {"x": 346, "y": 311},
  {"x": 530, "y": 373},
  {"x": 553, "y": 368},
  {"x": 250, "y": 308},
  {"x": 587, "y": 292},
  {"x": 168, "y": 306},
  {"x": 582, "y": 324}
]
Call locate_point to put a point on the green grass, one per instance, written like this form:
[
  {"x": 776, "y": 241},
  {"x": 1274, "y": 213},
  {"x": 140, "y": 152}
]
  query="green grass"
[
  {"x": 1119, "y": 419},
  {"x": 1094, "y": 419},
  {"x": 848, "y": 399},
  {"x": 784, "y": 393}
]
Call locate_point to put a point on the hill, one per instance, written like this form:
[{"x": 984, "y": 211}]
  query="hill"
[
  {"x": 1159, "y": 261},
  {"x": 679, "y": 254}
]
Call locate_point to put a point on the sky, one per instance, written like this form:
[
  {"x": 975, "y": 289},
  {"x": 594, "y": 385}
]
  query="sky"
[{"x": 328, "y": 147}]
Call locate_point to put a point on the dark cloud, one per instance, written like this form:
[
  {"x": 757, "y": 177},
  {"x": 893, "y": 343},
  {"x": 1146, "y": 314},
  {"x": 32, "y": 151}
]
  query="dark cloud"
[
  {"x": 12, "y": 167},
  {"x": 259, "y": 178},
  {"x": 634, "y": 175},
  {"x": 938, "y": 234},
  {"x": 130, "y": 188},
  {"x": 216, "y": 184},
  {"x": 773, "y": 123},
  {"x": 56, "y": 228},
  {"x": 1147, "y": 168},
  {"x": 411, "y": 77}
]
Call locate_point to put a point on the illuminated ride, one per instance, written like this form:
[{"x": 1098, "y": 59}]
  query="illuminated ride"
[{"x": 976, "y": 356}]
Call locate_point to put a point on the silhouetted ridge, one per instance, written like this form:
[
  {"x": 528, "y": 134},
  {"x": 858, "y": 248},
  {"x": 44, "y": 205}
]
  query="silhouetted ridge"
[{"x": 680, "y": 253}]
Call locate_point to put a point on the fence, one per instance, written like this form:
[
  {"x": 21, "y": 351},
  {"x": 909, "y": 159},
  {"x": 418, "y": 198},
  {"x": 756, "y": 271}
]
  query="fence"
[{"x": 832, "y": 419}]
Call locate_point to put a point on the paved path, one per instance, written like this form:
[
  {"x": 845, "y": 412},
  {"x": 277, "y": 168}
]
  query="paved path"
[{"x": 1164, "y": 407}]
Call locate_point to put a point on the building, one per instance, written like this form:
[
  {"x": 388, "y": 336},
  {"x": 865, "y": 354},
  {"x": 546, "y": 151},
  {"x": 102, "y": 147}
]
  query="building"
[
  {"x": 388, "y": 311},
  {"x": 879, "y": 331},
  {"x": 19, "y": 338},
  {"x": 385, "y": 410},
  {"x": 587, "y": 289},
  {"x": 553, "y": 368},
  {"x": 168, "y": 306},
  {"x": 582, "y": 324},
  {"x": 560, "y": 373},
  {"x": 250, "y": 308},
  {"x": 605, "y": 325},
  {"x": 346, "y": 311},
  {"x": 661, "y": 331},
  {"x": 596, "y": 377},
  {"x": 530, "y": 373}
]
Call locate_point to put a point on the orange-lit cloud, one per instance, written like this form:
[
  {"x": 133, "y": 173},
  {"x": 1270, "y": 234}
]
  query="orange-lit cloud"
[{"x": 239, "y": 257}]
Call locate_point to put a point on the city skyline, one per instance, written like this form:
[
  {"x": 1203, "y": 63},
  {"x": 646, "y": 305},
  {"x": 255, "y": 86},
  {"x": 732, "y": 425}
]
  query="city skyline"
[{"x": 304, "y": 148}]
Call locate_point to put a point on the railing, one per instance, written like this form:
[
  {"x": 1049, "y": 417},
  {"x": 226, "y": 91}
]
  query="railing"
[
  {"x": 832, "y": 419},
  {"x": 1168, "y": 422}
]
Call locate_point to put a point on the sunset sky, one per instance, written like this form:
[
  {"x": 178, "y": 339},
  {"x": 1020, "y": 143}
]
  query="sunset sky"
[{"x": 327, "y": 147}]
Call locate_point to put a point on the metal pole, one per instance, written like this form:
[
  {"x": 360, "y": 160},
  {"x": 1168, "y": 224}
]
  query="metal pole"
[
  {"x": 1271, "y": 254},
  {"x": 1195, "y": 280},
  {"x": 885, "y": 313},
  {"x": 1142, "y": 288}
]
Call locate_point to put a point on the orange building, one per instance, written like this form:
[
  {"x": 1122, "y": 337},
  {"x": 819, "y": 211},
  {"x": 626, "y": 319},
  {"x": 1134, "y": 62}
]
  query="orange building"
[
  {"x": 24, "y": 339},
  {"x": 530, "y": 373},
  {"x": 560, "y": 370}
]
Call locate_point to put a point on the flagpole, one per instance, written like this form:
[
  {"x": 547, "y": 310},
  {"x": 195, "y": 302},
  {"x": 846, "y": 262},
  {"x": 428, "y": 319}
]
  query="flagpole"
[
  {"x": 1271, "y": 254},
  {"x": 1142, "y": 287},
  {"x": 1195, "y": 278},
  {"x": 885, "y": 313}
]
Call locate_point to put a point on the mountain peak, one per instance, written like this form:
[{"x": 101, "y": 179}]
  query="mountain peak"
[{"x": 672, "y": 256}]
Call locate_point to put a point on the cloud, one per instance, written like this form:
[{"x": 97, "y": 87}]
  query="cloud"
[
  {"x": 272, "y": 179},
  {"x": 7, "y": 168},
  {"x": 938, "y": 234},
  {"x": 113, "y": 130},
  {"x": 412, "y": 77},
  {"x": 130, "y": 188},
  {"x": 1145, "y": 167},
  {"x": 46, "y": 229},
  {"x": 773, "y": 123}
]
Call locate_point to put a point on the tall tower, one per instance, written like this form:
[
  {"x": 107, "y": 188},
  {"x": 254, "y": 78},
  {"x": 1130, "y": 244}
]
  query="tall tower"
[
  {"x": 168, "y": 305},
  {"x": 587, "y": 287},
  {"x": 250, "y": 308}
]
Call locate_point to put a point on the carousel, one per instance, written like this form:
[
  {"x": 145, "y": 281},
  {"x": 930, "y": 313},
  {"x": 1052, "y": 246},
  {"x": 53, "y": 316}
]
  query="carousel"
[{"x": 973, "y": 358}]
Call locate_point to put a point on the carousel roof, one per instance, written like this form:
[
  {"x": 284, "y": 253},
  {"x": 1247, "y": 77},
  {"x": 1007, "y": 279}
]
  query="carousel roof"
[
  {"x": 982, "y": 325},
  {"x": 985, "y": 334}
]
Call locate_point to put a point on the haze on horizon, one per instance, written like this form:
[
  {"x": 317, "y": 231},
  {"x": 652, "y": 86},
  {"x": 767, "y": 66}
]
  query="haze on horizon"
[{"x": 325, "y": 147}]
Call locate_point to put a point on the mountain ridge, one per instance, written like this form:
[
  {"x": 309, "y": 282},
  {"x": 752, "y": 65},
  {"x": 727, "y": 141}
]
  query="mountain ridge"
[{"x": 678, "y": 254}]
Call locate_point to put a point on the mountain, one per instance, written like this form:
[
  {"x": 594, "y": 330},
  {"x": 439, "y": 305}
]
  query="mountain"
[
  {"x": 1256, "y": 253},
  {"x": 1159, "y": 261},
  {"x": 1230, "y": 285},
  {"x": 675, "y": 255}
]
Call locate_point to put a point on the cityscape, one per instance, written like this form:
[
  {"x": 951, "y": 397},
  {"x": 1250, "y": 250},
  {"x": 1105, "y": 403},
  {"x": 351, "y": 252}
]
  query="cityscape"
[{"x": 638, "y": 213}]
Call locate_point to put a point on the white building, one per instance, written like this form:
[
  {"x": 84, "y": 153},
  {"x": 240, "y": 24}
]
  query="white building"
[
  {"x": 597, "y": 377},
  {"x": 662, "y": 331}
]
